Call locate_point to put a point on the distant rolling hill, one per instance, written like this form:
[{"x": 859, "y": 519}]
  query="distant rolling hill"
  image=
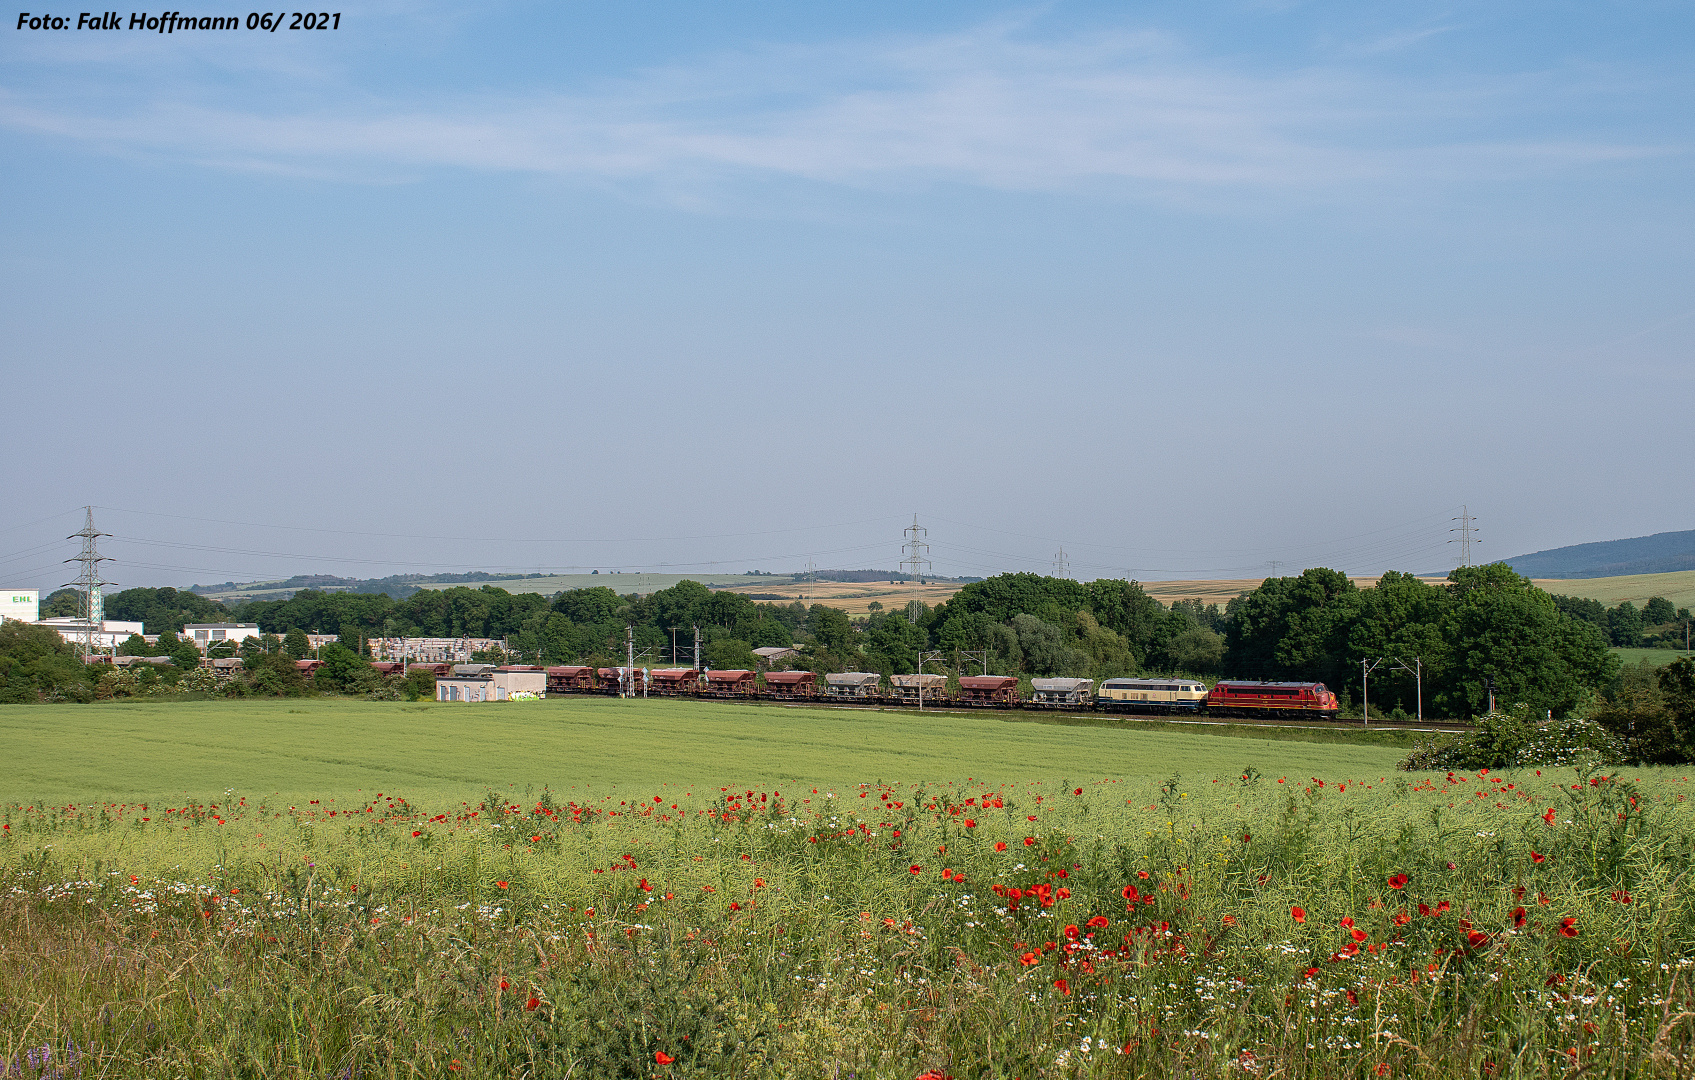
[{"x": 1662, "y": 553}]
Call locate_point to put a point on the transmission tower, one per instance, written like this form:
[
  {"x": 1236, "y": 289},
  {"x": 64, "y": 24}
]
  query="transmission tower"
[
  {"x": 915, "y": 551},
  {"x": 1061, "y": 566},
  {"x": 88, "y": 582},
  {"x": 1467, "y": 535}
]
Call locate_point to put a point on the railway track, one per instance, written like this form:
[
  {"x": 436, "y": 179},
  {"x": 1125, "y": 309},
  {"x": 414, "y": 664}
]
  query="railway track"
[{"x": 954, "y": 708}]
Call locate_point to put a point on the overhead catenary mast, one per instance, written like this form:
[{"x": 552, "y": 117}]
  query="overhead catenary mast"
[{"x": 88, "y": 582}]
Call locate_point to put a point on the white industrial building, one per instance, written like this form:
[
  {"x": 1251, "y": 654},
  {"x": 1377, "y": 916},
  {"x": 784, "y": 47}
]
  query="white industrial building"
[
  {"x": 24, "y": 605},
  {"x": 485, "y": 682},
  {"x": 108, "y": 634},
  {"x": 205, "y": 635}
]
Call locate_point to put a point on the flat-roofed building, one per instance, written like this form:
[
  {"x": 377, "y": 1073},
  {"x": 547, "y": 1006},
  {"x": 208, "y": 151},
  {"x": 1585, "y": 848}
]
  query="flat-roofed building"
[
  {"x": 485, "y": 682},
  {"x": 107, "y": 634},
  {"x": 205, "y": 635},
  {"x": 24, "y": 605}
]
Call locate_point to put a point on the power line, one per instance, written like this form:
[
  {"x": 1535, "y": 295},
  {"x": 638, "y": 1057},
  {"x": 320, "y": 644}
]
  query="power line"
[
  {"x": 915, "y": 552},
  {"x": 93, "y": 607},
  {"x": 1465, "y": 539}
]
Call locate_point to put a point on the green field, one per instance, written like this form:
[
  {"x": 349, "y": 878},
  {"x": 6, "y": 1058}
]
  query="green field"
[
  {"x": 295, "y": 750},
  {"x": 1655, "y": 657},
  {"x": 1678, "y": 587}
]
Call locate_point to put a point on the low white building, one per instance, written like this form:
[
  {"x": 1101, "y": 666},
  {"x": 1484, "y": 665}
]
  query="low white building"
[
  {"x": 208, "y": 634},
  {"x": 108, "y": 634},
  {"x": 24, "y": 605},
  {"x": 485, "y": 682}
]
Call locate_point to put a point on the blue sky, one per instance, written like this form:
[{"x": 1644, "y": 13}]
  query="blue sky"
[{"x": 1187, "y": 288}]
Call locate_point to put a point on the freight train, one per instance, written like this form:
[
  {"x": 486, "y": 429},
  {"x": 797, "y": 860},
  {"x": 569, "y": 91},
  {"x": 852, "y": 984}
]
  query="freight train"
[{"x": 1166, "y": 697}]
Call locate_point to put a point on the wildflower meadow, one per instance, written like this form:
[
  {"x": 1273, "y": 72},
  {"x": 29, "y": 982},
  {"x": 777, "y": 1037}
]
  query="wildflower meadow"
[{"x": 1233, "y": 921}]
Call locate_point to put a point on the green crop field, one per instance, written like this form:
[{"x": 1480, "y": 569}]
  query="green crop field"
[
  {"x": 1655, "y": 657},
  {"x": 295, "y": 750},
  {"x": 600, "y": 888},
  {"x": 1678, "y": 587}
]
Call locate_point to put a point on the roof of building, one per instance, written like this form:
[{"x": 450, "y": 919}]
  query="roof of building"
[{"x": 221, "y": 626}]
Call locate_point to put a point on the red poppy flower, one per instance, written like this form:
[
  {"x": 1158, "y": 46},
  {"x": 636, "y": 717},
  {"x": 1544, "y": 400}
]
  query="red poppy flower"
[
  {"x": 1029, "y": 841},
  {"x": 915, "y": 868},
  {"x": 1062, "y": 986},
  {"x": 1347, "y": 922},
  {"x": 1568, "y": 927},
  {"x": 1072, "y": 933},
  {"x": 503, "y": 984},
  {"x": 644, "y": 886},
  {"x": 532, "y": 1004},
  {"x": 1097, "y": 923},
  {"x": 1477, "y": 939},
  {"x": 1621, "y": 897},
  {"x": 1000, "y": 846},
  {"x": 759, "y": 883},
  {"x": 1536, "y": 857},
  {"x": 1549, "y": 816},
  {"x": 1029, "y": 959},
  {"x": 1358, "y": 935},
  {"x": 735, "y": 905},
  {"x": 1143, "y": 874},
  {"x": 501, "y": 884},
  {"x": 1079, "y": 791},
  {"x": 1130, "y": 892},
  {"x": 970, "y": 824},
  {"x": 415, "y": 832},
  {"x": 1399, "y": 881},
  {"x": 662, "y": 1057},
  {"x": 1519, "y": 916},
  {"x": 1298, "y": 914}
]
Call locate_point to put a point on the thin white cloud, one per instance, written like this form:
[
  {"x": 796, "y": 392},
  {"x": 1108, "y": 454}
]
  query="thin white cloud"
[{"x": 989, "y": 108}]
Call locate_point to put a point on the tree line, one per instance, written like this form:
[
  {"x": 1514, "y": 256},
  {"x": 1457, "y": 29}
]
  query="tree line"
[{"x": 1485, "y": 627}]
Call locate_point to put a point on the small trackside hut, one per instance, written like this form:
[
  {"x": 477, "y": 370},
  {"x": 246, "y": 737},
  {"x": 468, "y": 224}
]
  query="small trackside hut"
[
  {"x": 991, "y": 691},
  {"x": 791, "y": 684},
  {"x": 1061, "y": 693},
  {"x": 853, "y": 685}
]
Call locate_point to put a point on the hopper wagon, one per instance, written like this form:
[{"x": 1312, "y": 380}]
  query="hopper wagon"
[
  {"x": 923, "y": 687},
  {"x": 791, "y": 684},
  {"x": 731, "y": 682},
  {"x": 853, "y": 685},
  {"x": 1061, "y": 693},
  {"x": 570, "y": 679},
  {"x": 992, "y": 691},
  {"x": 675, "y": 682}
]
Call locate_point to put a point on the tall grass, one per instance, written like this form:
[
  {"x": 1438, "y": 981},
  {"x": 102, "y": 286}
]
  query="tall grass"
[{"x": 1256, "y": 926}]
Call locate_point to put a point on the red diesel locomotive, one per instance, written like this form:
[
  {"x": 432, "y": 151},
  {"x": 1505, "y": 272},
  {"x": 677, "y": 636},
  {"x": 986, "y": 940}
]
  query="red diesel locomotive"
[{"x": 1285, "y": 700}]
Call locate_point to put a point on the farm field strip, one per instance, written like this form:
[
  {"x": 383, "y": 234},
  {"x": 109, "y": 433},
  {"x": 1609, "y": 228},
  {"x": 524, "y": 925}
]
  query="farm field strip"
[
  {"x": 128, "y": 751},
  {"x": 1344, "y": 923}
]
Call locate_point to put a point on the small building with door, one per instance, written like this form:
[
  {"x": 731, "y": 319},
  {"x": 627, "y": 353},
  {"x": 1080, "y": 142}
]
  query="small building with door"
[{"x": 485, "y": 682}]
